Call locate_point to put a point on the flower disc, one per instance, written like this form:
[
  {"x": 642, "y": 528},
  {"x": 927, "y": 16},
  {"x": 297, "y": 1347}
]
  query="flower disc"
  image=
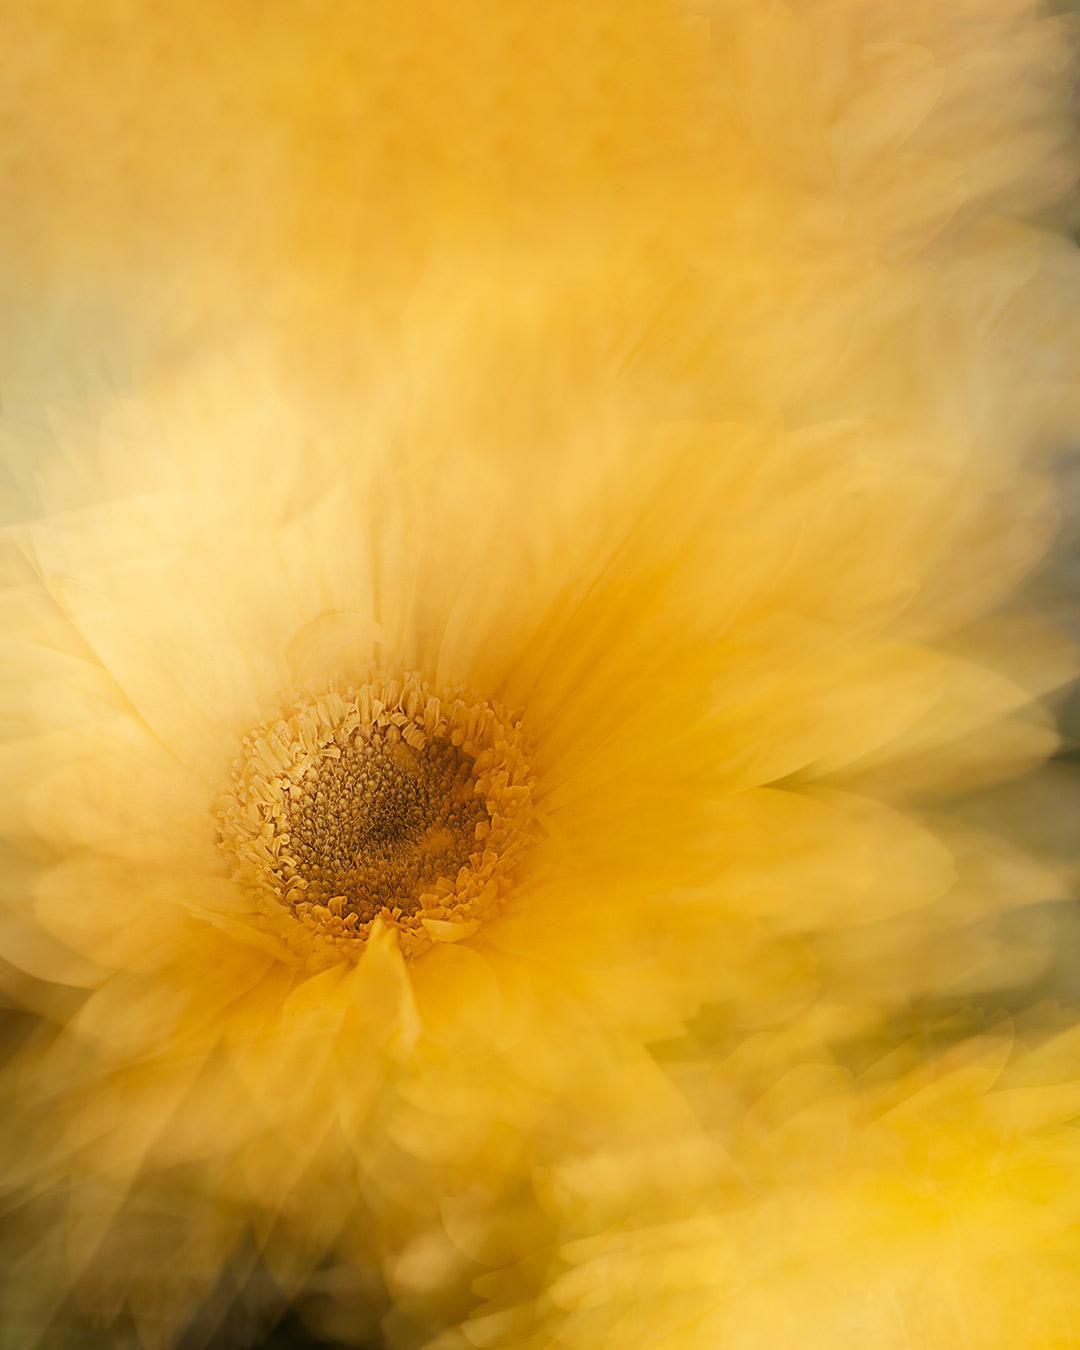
[{"x": 383, "y": 802}]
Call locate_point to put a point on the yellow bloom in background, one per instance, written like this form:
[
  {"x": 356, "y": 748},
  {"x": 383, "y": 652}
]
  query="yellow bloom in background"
[
  {"x": 508, "y": 509},
  {"x": 930, "y": 1200}
]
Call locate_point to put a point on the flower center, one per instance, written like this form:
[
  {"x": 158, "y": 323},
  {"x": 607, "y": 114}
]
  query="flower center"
[
  {"x": 381, "y": 824},
  {"x": 386, "y": 803}
]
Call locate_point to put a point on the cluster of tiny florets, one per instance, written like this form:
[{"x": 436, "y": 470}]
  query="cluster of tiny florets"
[{"x": 384, "y": 803}]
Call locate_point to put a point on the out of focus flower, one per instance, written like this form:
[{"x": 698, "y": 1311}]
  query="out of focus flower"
[
  {"x": 513, "y": 600},
  {"x": 932, "y": 1200}
]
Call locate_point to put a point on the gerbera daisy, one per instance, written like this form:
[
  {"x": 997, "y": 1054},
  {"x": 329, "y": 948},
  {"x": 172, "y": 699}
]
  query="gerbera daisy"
[{"x": 441, "y": 667}]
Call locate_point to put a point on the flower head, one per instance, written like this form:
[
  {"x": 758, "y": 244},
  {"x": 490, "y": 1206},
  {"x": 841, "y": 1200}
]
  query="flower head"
[{"x": 458, "y": 653}]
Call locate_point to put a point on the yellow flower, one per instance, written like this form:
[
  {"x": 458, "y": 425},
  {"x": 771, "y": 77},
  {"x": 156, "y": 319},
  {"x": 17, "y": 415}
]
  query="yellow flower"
[
  {"x": 460, "y": 651},
  {"x": 931, "y": 1201}
]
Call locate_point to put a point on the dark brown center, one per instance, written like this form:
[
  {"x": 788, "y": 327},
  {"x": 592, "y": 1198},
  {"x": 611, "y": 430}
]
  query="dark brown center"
[{"x": 382, "y": 823}]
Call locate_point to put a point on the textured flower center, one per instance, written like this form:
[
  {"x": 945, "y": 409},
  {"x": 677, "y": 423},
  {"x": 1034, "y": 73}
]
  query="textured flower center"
[
  {"x": 384, "y": 823},
  {"x": 380, "y": 803}
]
